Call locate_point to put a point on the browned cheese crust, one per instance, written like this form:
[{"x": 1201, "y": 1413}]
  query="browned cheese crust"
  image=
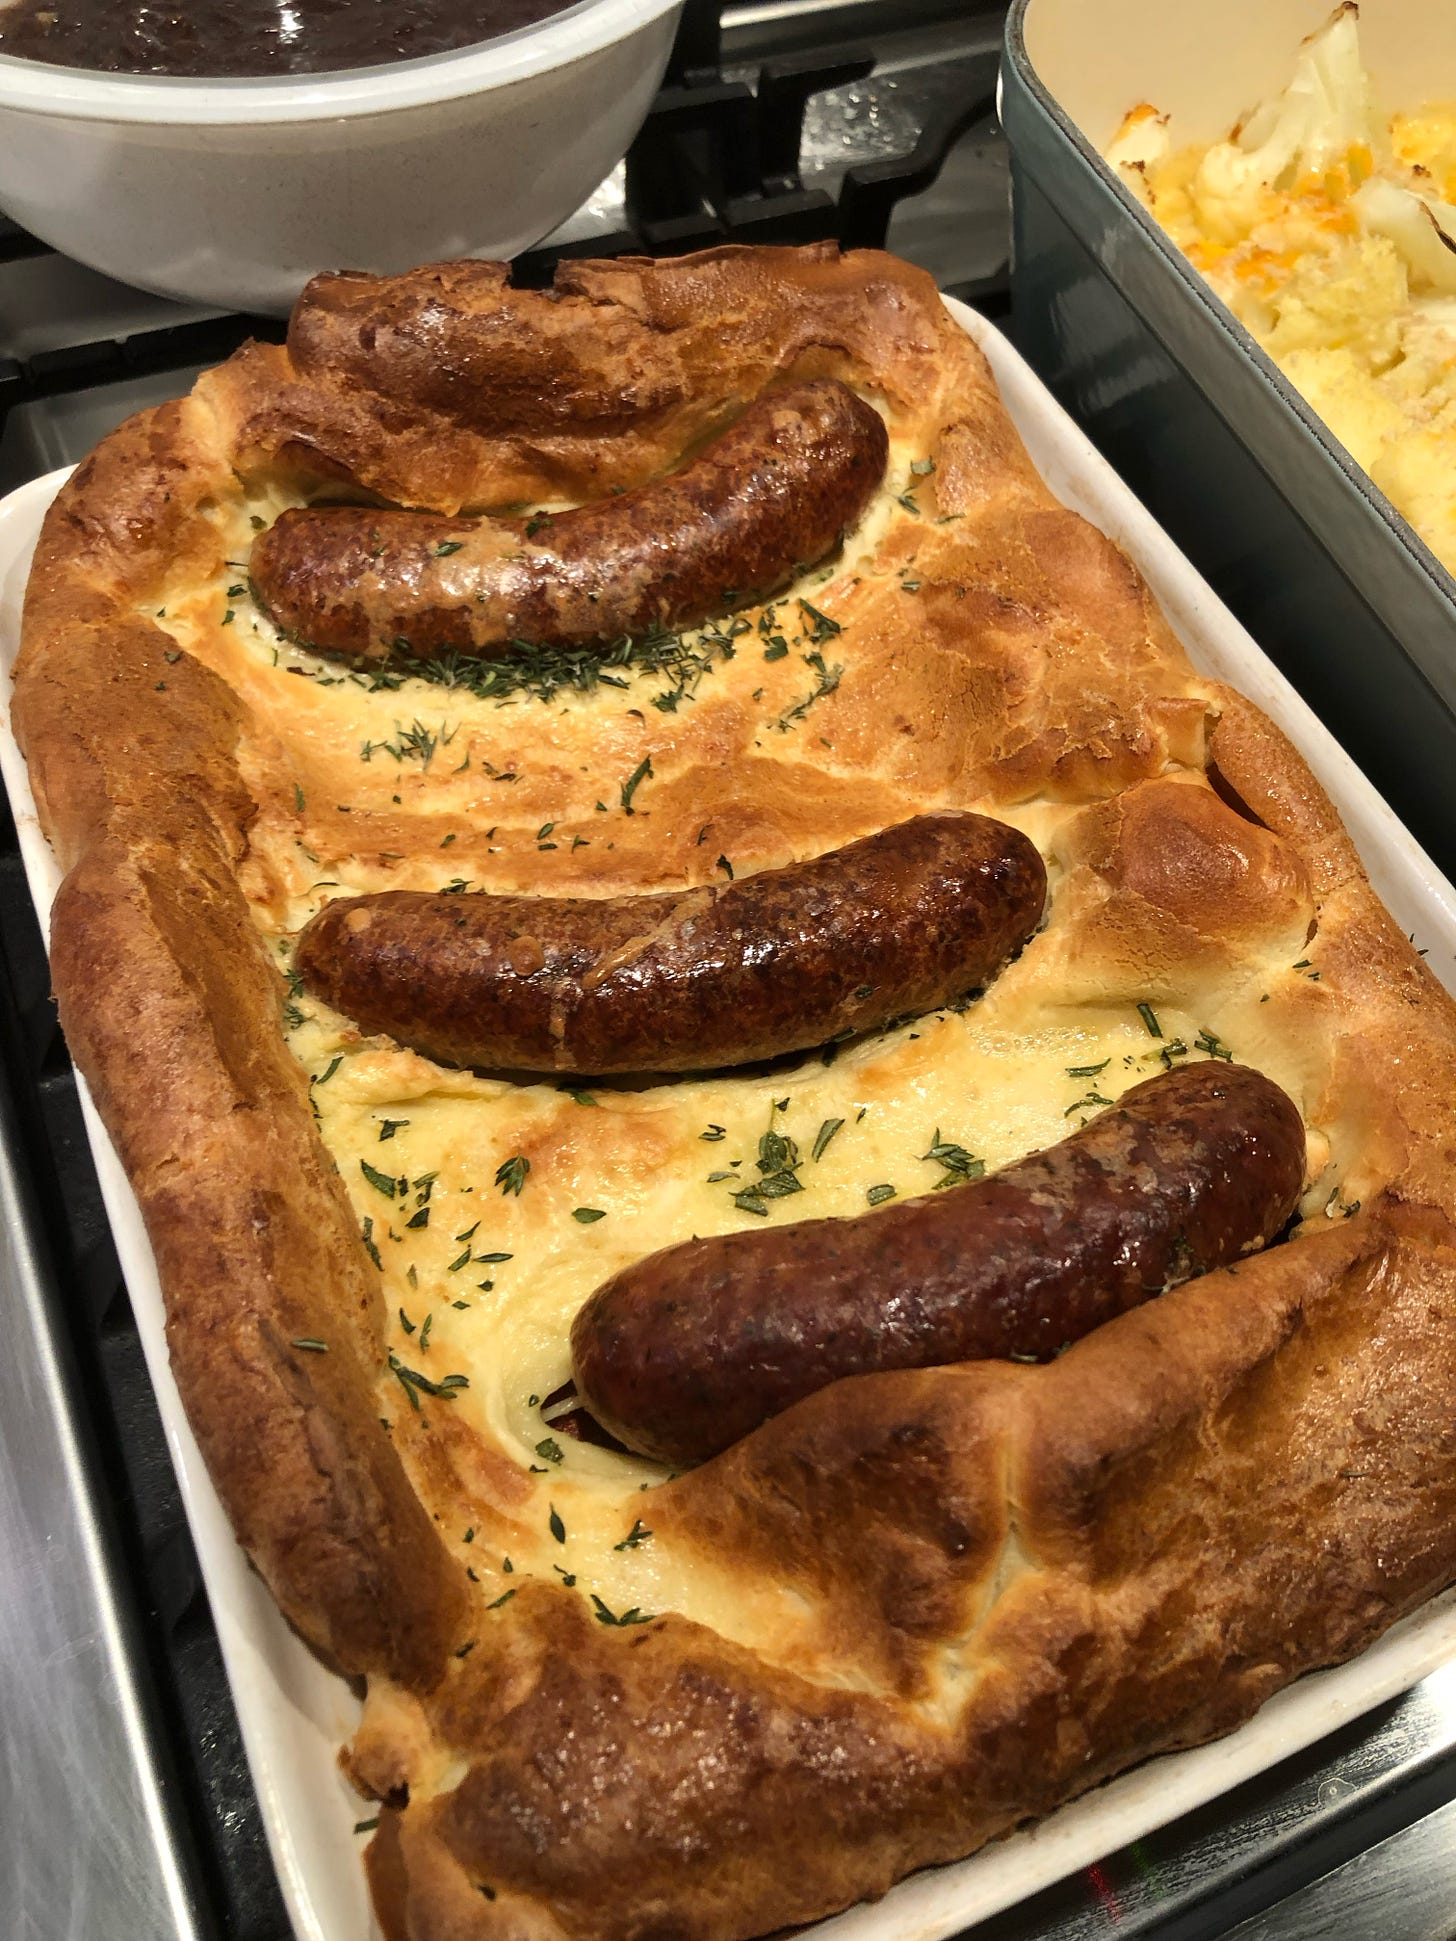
[{"x": 996, "y": 1584}]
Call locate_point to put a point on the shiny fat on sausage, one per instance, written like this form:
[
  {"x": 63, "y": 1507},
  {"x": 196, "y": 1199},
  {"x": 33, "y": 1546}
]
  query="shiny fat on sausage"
[
  {"x": 769, "y": 497},
  {"x": 692, "y": 1348},
  {"x": 687, "y": 980}
]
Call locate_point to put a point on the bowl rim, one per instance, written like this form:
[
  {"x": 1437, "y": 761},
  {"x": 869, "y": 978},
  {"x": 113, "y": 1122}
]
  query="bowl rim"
[{"x": 84, "y": 94}]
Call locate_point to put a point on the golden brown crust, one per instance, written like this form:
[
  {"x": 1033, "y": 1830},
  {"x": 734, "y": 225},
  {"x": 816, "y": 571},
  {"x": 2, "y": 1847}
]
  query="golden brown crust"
[
  {"x": 171, "y": 1009},
  {"x": 1015, "y": 1581}
]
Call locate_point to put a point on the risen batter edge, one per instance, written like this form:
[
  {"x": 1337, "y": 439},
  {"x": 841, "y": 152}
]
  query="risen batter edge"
[{"x": 1023, "y": 1579}]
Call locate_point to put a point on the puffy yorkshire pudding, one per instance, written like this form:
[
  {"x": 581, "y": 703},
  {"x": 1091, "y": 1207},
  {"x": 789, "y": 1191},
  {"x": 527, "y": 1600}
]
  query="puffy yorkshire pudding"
[{"x": 915, "y": 1606}]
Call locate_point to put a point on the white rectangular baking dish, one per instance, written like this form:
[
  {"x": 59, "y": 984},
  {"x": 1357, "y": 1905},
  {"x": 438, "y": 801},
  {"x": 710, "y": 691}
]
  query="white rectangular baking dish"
[{"x": 294, "y": 1714}]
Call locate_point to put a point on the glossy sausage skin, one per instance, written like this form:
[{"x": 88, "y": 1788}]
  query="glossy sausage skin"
[
  {"x": 690, "y": 980},
  {"x": 773, "y": 494},
  {"x": 694, "y": 1347}
]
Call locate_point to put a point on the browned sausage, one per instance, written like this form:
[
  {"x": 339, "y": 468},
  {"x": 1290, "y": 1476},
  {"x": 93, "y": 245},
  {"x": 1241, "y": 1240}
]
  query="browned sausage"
[
  {"x": 691, "y": 979},
  {"x": 695, "y": 1346},
  {"x": 773, "y": 494}
]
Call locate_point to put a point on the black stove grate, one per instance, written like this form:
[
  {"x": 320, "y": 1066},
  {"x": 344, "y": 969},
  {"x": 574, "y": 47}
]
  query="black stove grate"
[{"x": 717, "y": 161}]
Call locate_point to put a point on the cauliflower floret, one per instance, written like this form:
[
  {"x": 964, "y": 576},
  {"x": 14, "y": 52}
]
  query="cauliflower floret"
[
  {"x": 1352, "y": 298},
  {"x": 1425, "y": 146},
  {"x": 1414, "y": 473},
  {"x": 1138, "y": 147},
  {"x": 1337, "y": 249},
  {"x": 1355, "y": 405},
  {"x": 1422, "y": 230},
  {"x": 1324, "y": 121}
]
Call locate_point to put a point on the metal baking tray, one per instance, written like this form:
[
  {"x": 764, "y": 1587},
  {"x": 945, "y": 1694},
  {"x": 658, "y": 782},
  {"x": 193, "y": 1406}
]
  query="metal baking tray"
[
  {"x": 1262, "y": 498},
  {"x": 294, "y": 1714}
]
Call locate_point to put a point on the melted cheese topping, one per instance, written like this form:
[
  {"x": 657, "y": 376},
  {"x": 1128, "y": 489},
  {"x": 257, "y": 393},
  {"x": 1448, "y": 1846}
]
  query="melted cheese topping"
[{"x": 494, "y": 1208}]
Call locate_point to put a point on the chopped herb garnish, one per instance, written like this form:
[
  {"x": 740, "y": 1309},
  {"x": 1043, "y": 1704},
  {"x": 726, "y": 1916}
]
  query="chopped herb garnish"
[
  {"x": 959, "y": 1164},
  {"x": 828, "y": 680},
  {"x": 639, "y": 1533},
  {"x": 1088, "y": 1071},
  {"x": 504, "y": 1598},
  {"x": 750, "y": 1200},
  {"x": 605, "y": 1615},
  {"x": 420, "y": 1219},
  {"x": 726, "y": 867},
  {"x": 824, "y": 628},
  {"x": 312, "y": 1343},
  {"x": 360, "y": 1826},
  {"x": 381, "y": 1182},
  {"x": 1150, "y": 1019},
  {"x": 567, "y": 1577},
  {"x": 1091, "y": 1100},
  {"x": 587, "y": 1214},
  {"x": 510, "y": 1176},
  {"x": 448, "y": 546},
  {"x": 877, "y": 1195},
  {"x": 778, "y": 1163},
  {"x": 549, "y": 1449},
  {"x": 555, "y": 1525},
  {"x": 641, "y": 773},
  {"x": 367, "y": 1235},
  {"x": 324, "y": 1077},
  {"x": 1210, "y": 1042},
  {"x": 582, "y": 1098},
  {"x": 417, "y": 743},
  {"x": 922, "y": 467},
  {"x": 713, "y": 1134},
  {"x": 410, "y": 1380},
  {"x": 461, "y": 1260},
  {"x": 822, "y": 1137},
  {"x": 389, "y": 1127},
  {"x": 405, "y": 1322}
]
